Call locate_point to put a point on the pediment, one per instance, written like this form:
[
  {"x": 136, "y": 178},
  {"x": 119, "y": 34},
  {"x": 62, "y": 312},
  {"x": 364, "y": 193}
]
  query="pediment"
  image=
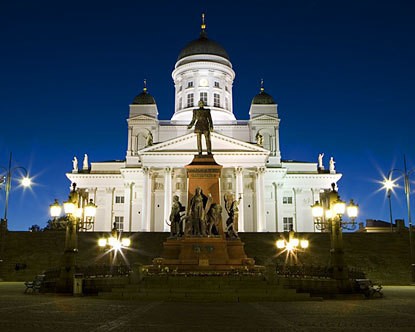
[
  {"x": 227, "y": 151},
  {"x": 265, "y": 117},
  {"x": 141, "y": 117},
  {"x": 220, "y": 144}
]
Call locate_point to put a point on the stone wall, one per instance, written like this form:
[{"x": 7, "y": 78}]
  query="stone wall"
[{"x": 384, "y": 257}]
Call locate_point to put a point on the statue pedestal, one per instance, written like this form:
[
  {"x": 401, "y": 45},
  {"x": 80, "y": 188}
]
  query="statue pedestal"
[
  {"x": 204, "y": 253},
  {"x": 204, "y": 172}
]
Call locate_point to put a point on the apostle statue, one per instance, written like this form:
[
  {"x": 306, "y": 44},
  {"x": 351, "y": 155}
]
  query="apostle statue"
[
  {"x": 259, "y": 139},
  {"x": 75, "y": 165},
  {"x": 203, "y": 123},
  {"x": 149, "y": 139},
  {"x": 320, "y": 160},
  {"x": 331, "y": 165},
  {"x": 85, "y": 162}
]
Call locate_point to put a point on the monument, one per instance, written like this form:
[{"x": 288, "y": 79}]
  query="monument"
[{"x": 203, "y": 243}]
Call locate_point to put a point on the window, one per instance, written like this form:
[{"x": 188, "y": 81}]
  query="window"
[
  {"x": 217, "y": 85},
  {"x": 119, "y": 223},
  {"x": 216, "y": 100},
  {"x": 226, "y": 88},
  {"x": 119, "y": 199},
  {"x": 226, "y": 103},
  {"x": 190, "y": 84},
  {"x": 287, "y": 223},
  {"x": 203, "y": 97},
  {"x": 180, "y": 103},
  {"x": 180, "y": 88},
  {"x": 190, "y": 100},
  {"x": 287, "y": 200}
]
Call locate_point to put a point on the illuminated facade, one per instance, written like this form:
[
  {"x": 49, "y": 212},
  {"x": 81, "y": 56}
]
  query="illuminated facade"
[{"x": 137, "y": 193}]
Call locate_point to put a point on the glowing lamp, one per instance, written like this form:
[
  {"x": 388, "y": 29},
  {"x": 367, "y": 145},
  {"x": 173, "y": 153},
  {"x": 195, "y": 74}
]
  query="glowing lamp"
[
  {"x": 339, "y": 207},
  {"x": 280, "y": 244},
  {"x": 126, "y": 242},
  {"x": 388, "y": 184},
  {"x": 55, "y": 209},
  {"x": 69, "y": 207},
  {"x": 26, "y": 182},
  {"x": 317, "y": 210},
  {"x": 294, "y": 242},
  {"x": 352, "y": 210},
  {"x": 90, "y": 209},
  {"x": 304, "y": 244},
  {"x": 102, "y": 242},
  {"x": 111, "y": 241}
]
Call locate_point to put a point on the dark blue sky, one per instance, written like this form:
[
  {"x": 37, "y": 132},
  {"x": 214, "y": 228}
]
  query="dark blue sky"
[{"x": 342, "y": 73}]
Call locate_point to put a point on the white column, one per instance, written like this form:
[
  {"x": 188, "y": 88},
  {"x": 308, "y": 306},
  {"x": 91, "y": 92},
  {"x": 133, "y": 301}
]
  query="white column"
[
  {"x": 239, "y": 172},
  {"x": 128, "y": 189},
  {"x": 260, "y": 199},
  {"x": 129, "y": 144},
  {"x": 146, "y": 210},
  {"x": 167, "y": 197}
]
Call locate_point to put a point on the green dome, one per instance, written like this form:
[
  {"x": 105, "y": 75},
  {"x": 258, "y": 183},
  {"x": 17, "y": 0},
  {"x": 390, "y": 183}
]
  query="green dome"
[
  {"x": 144, "y": 98},
  {"x": 263, "y": 98},
  {"x": 203, "y": 45}
]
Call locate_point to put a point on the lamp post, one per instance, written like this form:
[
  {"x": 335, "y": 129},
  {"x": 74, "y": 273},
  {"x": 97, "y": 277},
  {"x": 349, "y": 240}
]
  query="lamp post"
[
  {"x": 79, "y": 216},
  {"x": 328, "y": 215},
  {"x": 389, "y": 183},
  {"x": 7, "y": 179}
]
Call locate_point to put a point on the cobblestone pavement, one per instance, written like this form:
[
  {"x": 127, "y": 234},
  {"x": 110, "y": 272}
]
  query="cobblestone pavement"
[{"x": 41, "y": 312}]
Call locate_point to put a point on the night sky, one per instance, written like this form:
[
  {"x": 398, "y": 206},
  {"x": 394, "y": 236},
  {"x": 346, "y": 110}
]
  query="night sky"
[{"x": 342, "y": 73}]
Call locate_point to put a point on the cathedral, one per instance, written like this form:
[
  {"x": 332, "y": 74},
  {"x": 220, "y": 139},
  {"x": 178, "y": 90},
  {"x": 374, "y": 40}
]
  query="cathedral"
[{"x": 136, "y": 194}]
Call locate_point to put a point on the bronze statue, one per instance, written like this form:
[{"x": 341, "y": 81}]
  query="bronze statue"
[
  {"x": 202, "y": 121},
  {"x": 231, "y": 207},
  {"x": 196, "y": 216},
  {"x": 214, "y": 220},
  {"x": 176, "y": 222}
]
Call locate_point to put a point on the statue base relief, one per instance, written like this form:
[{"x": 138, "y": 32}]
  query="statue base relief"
[{"x": 203, "y": 252}]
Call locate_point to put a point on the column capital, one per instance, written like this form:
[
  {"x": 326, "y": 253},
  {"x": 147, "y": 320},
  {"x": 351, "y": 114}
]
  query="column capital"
[
  {"x": 239, "y": 170},
  {"x": 260, "y": 170}
]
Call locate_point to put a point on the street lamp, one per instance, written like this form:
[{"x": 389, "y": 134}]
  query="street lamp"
[
  {"x": 7, "y": 179},
  {"x": 114, "y": 244},
  {"x": 388, "y": 183},
  {"x": 328, "y": 215},
  {"x": 292, "y": 245},
  {"x": 79, "y": 216}
]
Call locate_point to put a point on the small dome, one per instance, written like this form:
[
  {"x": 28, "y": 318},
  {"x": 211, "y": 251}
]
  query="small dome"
[
  {"x": 144, "y": 98},
  {"x": 203, "y": 45},
  {"x": 263, "y": 98}
]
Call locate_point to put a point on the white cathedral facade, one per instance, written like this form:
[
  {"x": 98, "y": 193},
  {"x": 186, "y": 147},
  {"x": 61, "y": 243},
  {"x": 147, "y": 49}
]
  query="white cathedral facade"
[{"x": 136, "y": 194}]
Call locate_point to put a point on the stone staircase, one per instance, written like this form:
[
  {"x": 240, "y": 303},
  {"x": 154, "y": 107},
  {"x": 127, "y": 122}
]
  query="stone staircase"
[{"x": 181, "y": 288}]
